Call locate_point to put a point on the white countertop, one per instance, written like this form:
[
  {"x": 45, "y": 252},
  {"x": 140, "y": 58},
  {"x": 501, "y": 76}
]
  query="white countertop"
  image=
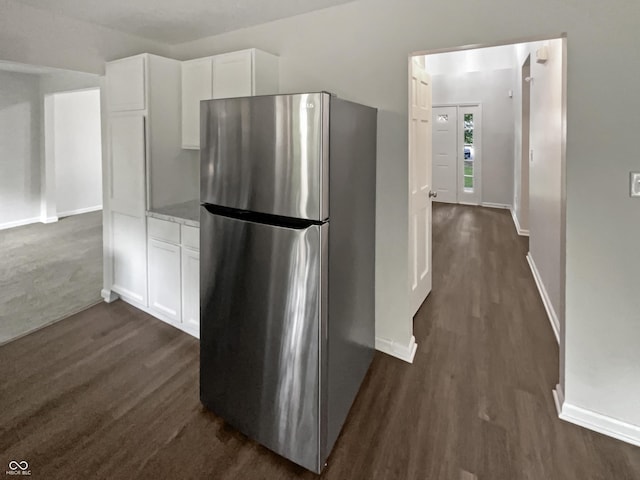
[{"x": 187, "y": 213}]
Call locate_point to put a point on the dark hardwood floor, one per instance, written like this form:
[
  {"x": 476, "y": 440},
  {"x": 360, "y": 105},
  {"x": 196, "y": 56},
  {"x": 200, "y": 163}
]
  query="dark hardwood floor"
[{"x": 113, "y": 393}]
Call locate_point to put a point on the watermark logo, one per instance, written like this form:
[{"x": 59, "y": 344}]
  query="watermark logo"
[{"x": 18, "y": 468}]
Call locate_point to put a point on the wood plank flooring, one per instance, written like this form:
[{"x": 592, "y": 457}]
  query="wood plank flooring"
[
  {"x": 48, "y": 272},
  {"x": 113, "y": 393}
]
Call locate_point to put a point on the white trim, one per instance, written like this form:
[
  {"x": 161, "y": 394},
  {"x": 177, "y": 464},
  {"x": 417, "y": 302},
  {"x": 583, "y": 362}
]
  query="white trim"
[
  {"x": 496, "y": 205},
  {"x": 45, "y": 220},
  {"x": 551, "y": 313},
  {"x": 19, "y": 223},
  {"x": 474, "y": 46},
  {"x": 558, "y": 398},
  {"x": 48, "y": 168},
  {"x": 403, "y": 352},
  {"x": 133, "y": 298},
  {"x": 604, "y": 424},
  {"x": 520, "y": 230},
  {"x": 179, "y": 325},
  {"x": 109, "y": 295},
  {"x": 469, "y": 204},
  {"x": 78, "y": 211}
]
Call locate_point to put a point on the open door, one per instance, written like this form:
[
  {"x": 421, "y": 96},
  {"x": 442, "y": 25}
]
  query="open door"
[{"x": 420, "y": 194}]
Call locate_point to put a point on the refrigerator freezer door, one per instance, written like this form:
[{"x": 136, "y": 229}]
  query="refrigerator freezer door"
[
  {"x": 266, "y": 154},
  {"x": 263, "y": 308}
]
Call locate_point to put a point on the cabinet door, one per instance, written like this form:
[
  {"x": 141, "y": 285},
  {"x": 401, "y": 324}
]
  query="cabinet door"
[
  {"x": 164, "y": 279},
  {"x": 126, "y": 193},
  {"x": 233, "y": 75},
  {"x": 196, "y": 86},
  {"x": 191, "y": 289},
  {"x": 126, "y": 84},
  {"x": 129, "y": 257}
]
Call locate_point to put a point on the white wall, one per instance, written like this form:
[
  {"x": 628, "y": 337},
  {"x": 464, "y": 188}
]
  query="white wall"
[
  {"x": 77, "y": 151},
  {"x": 522, "y": 123},
  {"x": 546, "y": 175},
  {"x": 19, "y": 149},
  {"x": 476, "y": 60},
  {"x": 37, "y": 37},
  {"x": 27, "y": 187},
  {"x": 489, "y": 88},
  {"x": 58, "y": 81},
  {"x": 359, "y": 51}
]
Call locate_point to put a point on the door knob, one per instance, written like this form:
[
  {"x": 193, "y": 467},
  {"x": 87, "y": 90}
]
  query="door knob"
[{"x": 433, "y": 194}]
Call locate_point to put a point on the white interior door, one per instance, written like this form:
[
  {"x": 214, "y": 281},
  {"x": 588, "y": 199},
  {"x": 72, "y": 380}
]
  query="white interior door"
[
  {"x": 420, "y": 152},
  {"x": 445, "y": 153},
  {"x": 470, "y": 154}
]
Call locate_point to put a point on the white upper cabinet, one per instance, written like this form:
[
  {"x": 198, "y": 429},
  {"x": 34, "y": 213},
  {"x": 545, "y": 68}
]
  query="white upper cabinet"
[
  {"x": 232, "y": 75},
  {"x": 196, "y": 85},
  {"x": 236, "y": 74},
  {"x": 126, "y": 84}
]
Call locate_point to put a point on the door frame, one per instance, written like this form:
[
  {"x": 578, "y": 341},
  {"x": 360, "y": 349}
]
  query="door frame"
[
  {"x": 558, "y": 392},
  {"x": 48, "y": 204}
]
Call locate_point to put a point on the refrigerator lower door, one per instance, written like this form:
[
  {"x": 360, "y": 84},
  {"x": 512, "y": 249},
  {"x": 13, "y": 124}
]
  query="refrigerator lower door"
[{"x": 263, "y": 311}]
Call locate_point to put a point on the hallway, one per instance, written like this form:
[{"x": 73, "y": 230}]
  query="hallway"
[{"x": 113, "y": 393}]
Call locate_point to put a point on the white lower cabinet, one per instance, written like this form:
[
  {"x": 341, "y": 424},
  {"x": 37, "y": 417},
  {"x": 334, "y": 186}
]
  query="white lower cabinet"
[
  {"x": 164, "y": 279},
  {"x": 191, "y": 289},
  {"x": 174, "y": 274}
]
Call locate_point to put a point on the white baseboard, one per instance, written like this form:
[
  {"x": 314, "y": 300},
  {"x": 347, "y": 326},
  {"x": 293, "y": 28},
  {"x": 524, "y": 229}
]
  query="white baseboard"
[
  {"x": 45, "y": 220},
  {"x": 19, "y": 223},
  {"x": 520, "y": 230},
  {"x": 403, "y": 352},
  {"x": 109, "y": 295},
  {"x": 496, "y": 205},
  {"x": 558, "y": 398},
  {"x": 604, "y": 424},
  {"x": 79, "y": 211},
  {"x": 469, "y": 204},
  {"x": 551, "y": 313}
]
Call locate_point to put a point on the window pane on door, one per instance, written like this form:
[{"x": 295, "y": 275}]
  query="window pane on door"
[{"x": 469, "y": 153}]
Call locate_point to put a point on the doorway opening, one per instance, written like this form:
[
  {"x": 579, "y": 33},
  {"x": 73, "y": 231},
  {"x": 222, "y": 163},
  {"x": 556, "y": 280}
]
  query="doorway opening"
[
  {"x": 50, "y": 196},
  {"x": 488, "y": 129}
]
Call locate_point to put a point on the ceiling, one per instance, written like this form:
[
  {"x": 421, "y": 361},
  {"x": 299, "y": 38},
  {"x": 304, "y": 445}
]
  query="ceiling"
[{"x": 171, "y": 21}]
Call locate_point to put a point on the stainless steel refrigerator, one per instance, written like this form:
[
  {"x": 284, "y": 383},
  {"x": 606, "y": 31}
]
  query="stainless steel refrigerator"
[{"x": 287, "y": 245}]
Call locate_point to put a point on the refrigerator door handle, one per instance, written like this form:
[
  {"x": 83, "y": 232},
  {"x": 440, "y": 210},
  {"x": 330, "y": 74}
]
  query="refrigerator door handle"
[{"x": 262, "y": 218}]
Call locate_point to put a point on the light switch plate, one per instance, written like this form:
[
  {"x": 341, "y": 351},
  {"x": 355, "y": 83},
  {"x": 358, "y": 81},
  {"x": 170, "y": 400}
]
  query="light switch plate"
[{"x": 634, "y": 187}]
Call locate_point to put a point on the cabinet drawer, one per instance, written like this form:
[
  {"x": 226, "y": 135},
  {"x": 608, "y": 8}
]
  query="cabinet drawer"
[
  {"x": 164, "y": 230},
  {"x": 191, "y": 237}
]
